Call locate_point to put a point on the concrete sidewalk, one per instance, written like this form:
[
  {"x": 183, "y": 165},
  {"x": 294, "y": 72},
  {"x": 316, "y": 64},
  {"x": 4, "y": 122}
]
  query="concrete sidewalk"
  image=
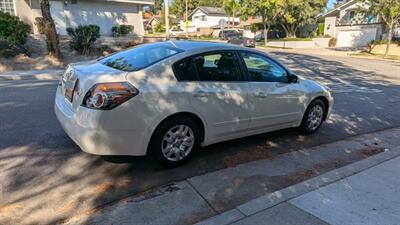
[
  {"x": 352, "y": 193},
  {"x": 53, "y": 74},
  {"x": 371, "y": 196}
]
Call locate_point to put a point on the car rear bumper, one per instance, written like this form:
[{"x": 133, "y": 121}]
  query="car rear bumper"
[{"x": 84, "y": 126}]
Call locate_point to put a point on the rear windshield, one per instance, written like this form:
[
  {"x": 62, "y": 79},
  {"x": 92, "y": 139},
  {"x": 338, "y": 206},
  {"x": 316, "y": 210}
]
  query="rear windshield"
[{"x": 140, "y": 57}]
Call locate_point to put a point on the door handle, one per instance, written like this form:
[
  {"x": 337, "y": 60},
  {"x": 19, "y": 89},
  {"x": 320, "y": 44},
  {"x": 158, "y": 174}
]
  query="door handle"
[
  {"x": 261, "y": 94},
  {"x": 199, "y": 94}
]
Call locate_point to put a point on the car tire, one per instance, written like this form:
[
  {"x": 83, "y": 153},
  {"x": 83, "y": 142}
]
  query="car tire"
[
  {"x": 313, "y": 117},
  {"x": 172, "y": 151}
]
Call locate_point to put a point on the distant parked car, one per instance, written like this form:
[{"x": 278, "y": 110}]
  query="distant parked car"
[
  {"x": 246, "y": 42},
  {"x": 166, "y": 99},
  {"x": 226, "y": 34},
  {"x": 175, "y": 31}
]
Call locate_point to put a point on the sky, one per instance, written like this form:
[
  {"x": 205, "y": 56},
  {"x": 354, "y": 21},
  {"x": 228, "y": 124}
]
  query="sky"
[{"x": 330, "y": 3}]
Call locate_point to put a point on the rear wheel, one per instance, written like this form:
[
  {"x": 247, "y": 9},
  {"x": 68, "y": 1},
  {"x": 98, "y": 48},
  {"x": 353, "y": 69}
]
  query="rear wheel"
[
  {"x": 313, "y": 117},
  {"x": 175, "y": 141}
]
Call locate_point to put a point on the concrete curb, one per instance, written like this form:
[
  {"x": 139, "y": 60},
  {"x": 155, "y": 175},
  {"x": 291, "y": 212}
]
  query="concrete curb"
[
  {"x": 275, "y": 198},
  {"x": 31, "y": 75}
]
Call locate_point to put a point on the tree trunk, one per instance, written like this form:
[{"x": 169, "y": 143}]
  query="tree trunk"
[
  {"x": 389, "y": 40},
  {"x": 50, "y": 29},
  {"x": 290, "y": 30},
  {"x": 265, "y": 30}
]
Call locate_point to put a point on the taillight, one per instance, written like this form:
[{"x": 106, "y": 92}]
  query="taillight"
[{"x": 106, "y": 96}]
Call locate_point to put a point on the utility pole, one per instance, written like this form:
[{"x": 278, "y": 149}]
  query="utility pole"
[
  {"x": 186, "y": 19},
  {"x": 166, "y": 6}
]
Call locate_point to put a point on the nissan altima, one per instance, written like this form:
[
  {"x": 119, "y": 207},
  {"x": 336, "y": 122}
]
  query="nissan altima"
[{"x": 166, "y": 99}]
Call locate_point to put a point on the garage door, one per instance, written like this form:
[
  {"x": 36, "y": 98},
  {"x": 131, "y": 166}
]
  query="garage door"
[{"x": 355, "y": 38}]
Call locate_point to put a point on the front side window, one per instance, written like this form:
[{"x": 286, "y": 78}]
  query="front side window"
[
  {"x": 139, "y": 57},
  {"x": 262, "y": 69},
  {"x": 217, "y": 67}
]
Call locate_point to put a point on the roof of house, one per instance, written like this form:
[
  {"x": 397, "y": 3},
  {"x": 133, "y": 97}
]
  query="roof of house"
[
  {"x": 211, "y": 11},
  {"x": 335, "y": 11},
  {"x": 156, "y": 18},
  {"x": 147, "y": 15}
]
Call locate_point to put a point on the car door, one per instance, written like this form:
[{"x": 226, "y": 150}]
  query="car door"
[
  {"x": 274, "y": 100},
  {"x": 218, "y": 91}
]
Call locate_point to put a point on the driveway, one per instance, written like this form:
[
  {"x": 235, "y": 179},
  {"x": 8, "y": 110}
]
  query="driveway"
[{"x": 45, "y": 178}]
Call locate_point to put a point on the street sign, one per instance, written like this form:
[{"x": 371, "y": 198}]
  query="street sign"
[
  {"x": 222, "y": 24},
  {"x": 187, "y": 23}
]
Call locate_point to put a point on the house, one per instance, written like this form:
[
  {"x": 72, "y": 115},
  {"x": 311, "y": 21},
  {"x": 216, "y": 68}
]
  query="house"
[
  {"x": 152, "y": 23},
  {"x": 71, "y": 13},
  {"x": 208, "y": 17},
  {"x": 351, "y": 28}
]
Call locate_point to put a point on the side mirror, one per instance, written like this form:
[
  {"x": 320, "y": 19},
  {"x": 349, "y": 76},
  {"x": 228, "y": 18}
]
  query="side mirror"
[{"x": 292, "y": 78}]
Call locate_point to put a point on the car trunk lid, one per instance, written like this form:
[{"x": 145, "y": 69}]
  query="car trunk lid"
[{"x": 78, "y": 78}]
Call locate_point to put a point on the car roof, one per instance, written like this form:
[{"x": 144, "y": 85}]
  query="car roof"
[{"x": 195, "y": 45}]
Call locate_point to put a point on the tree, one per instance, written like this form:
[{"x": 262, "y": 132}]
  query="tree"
[
  {"x": 178, "y": 7},
  {"x": 51, "y": 34},
  {"x": 297, "y": 13},
  {"x": 268, "y": 10},
  {"x": 387, "y": 10},
  {"x": 231, "y": 8},
  {"x": 227, "y": 7},
  {"x": 157, "y": 7}
]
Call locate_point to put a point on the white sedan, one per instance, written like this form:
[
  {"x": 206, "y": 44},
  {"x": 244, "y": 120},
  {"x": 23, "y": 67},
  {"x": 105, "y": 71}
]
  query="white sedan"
[{"x": 166, "y": 99}]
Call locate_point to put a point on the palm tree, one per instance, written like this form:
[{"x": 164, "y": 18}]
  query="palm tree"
[
  {"x": 235, "y": 9},
  {"x": 227, "y": 7}
]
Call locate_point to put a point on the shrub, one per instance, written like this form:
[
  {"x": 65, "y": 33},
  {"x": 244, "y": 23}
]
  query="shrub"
[
  {"x": 13, "y": 30},
  {"x": 332, "y": 42},
  {"x": 126, "y": 29},
  {"x": 121, "y": 30},
  {"x": 40, "y": 24},
  {"x": 321, "y": 27},
  {"x": 83, "y": 37},
  {"x": 159, "y": 28},
  {"x": 115, "y": 30}
]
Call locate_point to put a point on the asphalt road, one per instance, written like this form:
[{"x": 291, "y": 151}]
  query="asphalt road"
[{"x": 44, "y": 173}]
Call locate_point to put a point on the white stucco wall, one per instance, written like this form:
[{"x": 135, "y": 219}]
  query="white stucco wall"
[
  {"x": 102, "y": 13},
  {"x": 330, "y": 25},
  {"x": 28, "y": 13},
  {"x": 356, "y": 36}
]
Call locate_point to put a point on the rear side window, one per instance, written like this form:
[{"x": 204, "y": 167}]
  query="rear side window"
[
  {"x": 220, "y": 67},
  {"x": 140, "y": 57},
  {"x": 185, "y": 70}
]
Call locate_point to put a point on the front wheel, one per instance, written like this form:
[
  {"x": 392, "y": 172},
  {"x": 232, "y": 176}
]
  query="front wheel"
[
  {"x": 313, "y": 117},
  {"x": 174, "y": 142}
]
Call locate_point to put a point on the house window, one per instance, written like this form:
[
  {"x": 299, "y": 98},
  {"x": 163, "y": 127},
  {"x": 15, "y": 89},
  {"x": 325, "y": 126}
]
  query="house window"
[
  {"x": 203, "y": 18},
  {"x": 7, "y": 6},
  {"x": 352, "y": 15}
]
